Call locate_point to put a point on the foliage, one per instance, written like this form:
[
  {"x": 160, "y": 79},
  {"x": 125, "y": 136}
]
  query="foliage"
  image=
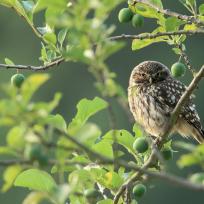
[{"x": 86, "y": 160}]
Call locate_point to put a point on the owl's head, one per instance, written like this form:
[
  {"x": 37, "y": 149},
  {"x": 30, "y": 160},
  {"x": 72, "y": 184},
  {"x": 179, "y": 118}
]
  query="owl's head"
[{"x": 149, "y": 72}]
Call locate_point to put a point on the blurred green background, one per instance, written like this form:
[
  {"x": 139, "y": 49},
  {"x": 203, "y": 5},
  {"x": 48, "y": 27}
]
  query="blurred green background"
[{"x": 18, "y": 43}]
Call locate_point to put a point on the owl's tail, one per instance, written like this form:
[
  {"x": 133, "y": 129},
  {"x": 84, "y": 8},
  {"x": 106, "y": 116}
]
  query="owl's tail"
[
  {"x": 199, "y": 136},
  {"x": 187, "y": 129}
]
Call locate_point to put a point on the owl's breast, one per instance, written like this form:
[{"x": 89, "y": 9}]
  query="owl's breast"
[{"x": 147, "y": 111}]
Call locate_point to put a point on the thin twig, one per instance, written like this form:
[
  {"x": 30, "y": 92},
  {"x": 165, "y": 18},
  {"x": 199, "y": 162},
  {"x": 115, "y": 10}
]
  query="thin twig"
[
  {"x": 190, "y": 19},
  {"x": 186, "y": 59},
  {"x": 59, "y": 60},
  {"x": 34, "y": 68},
  {"x": 5, "y": 163},
  {"x": 155, "y": 35}
]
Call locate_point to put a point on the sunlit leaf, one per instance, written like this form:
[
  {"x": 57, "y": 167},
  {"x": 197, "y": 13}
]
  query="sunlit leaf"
[
  {"x": 62, "y": 35},
  {"x": 104, "y": 148},
  {"x": 15, "y": 137},
  {"x": 57, "y": 121},
  {"x": 31, "y": 84},
  {"x": 139, "y": 44},
  {"x": 85, "y": 109},
  {"x": 28, "y": 5},
  {"x": 172, "y": 24},
  {"x": 35, "y": 179},
  {"x": 9, "y": 175},
  {"x": 201, "y": 9},
  {"x": 106, "y": 201},
  {"x": 8, "y": 61},
  {"x": 122, "y": 137}
]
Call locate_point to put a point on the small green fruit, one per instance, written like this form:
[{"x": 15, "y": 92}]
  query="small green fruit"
[
  {"x": 140, "y": 145},
  {"x": 178, "y": 69},
  {"x": 125, "y": 15},
  {"x": 91, "y": 193},
  {"x": 137, "y": 21},
  {"x": 167, "y": 154},
  {"x": 17, "y": 80},
  {"x": 139, "y": 190}
]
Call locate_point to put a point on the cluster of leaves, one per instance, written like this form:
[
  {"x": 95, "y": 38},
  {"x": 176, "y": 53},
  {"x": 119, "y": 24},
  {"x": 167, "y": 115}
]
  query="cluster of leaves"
[
  {"x": 43, "y": 143},
  {"x": 37, "y": 139}
]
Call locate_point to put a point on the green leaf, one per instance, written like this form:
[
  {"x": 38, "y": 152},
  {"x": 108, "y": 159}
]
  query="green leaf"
[
  {"x": 50, "y": 37},
  {"x": 8, "y": 61},
  {"x": 122, "y": 137},
  {"x": 80, "y": 178},
  {"x": 104, "y": 148},
  {"x": 62, "y": 35},
  {"x": 36, "y": 179},
  {"x": 15, "y": 4},
  {"x": 51, "y": 4},
  {"x": 110, "y": 180},
  {"x": 106, "y": 201},
  {"x": 28, "y": 5},
  {"x": 196, "y": 157},
  {"x": 9, "y": 176},
  {"x": 172, "y": 24},
  {"x": 148, "y": 12},
  {"x": 4, "y": 150},
  {"x": 201, "y": 9},
  {"x": 85, "y": 109},
  {"x": 139, "y": 44},
  {"x": 191, "y": 3},
  {"x": 15, "y": 137},
  {"x": 190, "y": 27},
  {"x": 187, "y": 160},
  {"x": 137, "y": 130},
  {"x": 88, "y": 134},
  {"x": 31, "y": 84},
  {"x": 157, "y": 3},
  {"x": 57, "y": 121}
]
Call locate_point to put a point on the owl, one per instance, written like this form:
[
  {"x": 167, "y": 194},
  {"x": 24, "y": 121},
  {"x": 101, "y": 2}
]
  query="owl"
[{"x": 153, "y": 94}]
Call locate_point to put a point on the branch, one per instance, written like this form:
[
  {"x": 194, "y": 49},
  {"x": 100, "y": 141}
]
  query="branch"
[
  {"x": 155, "y": 35},
  {"x": 57, "y": 61},
  {"x": 14, "y": 161},
  {"x": 142, "y": 36},
  {"x": 159, "y": 140},
  {"x": 190, "y": 19},
  {"x": 105, "y": 160},
  {"x": 161, "y": 175},
  {"x": 186, "y": 59}
]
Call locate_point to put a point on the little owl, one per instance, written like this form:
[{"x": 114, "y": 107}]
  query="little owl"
[{"x": 153, "y": 94}]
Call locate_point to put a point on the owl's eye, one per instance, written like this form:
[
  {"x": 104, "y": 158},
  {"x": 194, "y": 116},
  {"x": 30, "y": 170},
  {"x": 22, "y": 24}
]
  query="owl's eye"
[
  {"x": 143, "y": 74},
  {"x": 158, "y": 74}
]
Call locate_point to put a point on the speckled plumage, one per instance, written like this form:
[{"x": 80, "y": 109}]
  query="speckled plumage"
[{"x": 153, "y": 94}]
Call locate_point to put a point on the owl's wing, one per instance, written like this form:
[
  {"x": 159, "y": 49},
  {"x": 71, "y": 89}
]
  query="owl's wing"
[{"x": 168, "y": 94}]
